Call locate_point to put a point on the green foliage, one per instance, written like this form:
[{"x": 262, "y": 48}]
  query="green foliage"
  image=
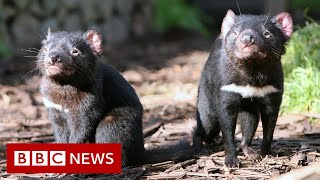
[
  {"x": 302, "y": 4},
  {"x": 4, "y": 50},
  {"x": 302, "y": 71},
  {"x": 177, "y": 13}
]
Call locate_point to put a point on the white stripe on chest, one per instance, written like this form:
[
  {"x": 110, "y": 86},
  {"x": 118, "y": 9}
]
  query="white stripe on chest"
[
  {"x": 50, "y": 104},
  {"x": 249, "y": 91}
]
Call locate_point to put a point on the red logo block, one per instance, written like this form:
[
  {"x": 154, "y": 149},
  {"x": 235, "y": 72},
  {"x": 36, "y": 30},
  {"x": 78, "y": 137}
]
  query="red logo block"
[{"x": 64, "y": 158}]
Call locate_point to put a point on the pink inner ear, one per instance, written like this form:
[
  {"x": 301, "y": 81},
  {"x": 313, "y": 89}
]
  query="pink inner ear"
[
  {"x": 228, "y": 22},
  {"x": 95, "y": 40},
  {"x": 285, "y": 21}
]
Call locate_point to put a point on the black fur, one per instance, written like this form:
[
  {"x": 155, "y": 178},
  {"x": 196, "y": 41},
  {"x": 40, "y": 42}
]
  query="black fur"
[
  {"x": 228, "y": 64},
  {"x": 102, "y": 106}
]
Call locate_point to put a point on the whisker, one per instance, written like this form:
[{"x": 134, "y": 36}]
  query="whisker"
[
  {"x": 40, "y": 36},
  {"x": 27, "y": 50},
  {"x": 273, "y": 49},
  {"x": 267, "y": 18},
  {"x": 278, "y": 50},
  {"x": 30, "y": 72},
  {"x": 273, "y": 52},
  {"x": 34, "y": 49},
  {"x": 81, "y": 69},
  {"x": 44, "y": 32},
  {"x": 30, "y": 56},
  {"x": 238, "y": 6}
]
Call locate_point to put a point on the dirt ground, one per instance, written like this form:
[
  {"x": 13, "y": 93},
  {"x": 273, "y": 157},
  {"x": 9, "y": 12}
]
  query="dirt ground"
[{"x": 165, "y": 74}]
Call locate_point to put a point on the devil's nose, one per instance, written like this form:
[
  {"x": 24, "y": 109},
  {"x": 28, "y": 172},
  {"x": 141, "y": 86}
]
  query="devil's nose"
[
  {"x": 54, "y": 57},
  {"x": 247, "y": 38}
]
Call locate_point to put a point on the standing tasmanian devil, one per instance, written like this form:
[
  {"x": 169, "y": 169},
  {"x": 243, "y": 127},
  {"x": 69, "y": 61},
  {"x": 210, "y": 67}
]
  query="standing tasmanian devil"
[
  {"x": 243, "y": 79},
  {"x": 88, "y": 101}
]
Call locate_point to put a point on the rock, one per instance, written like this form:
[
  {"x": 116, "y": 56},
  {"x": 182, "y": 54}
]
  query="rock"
[
  {"x": 311, "y": 172},
  {"x": 61, "y": 15},
  {"x": 138, "y": 25},
  {"x": 141, "y": 20},
  {"x": 23, "y": 4},
  {"x": 6, "y": 12},
  {"x": 38, "y": 99},
  {"x": 51, "y": 6},
  {"x": 106, "y": 7},
  {"x": 72, "y": 23},
  {"x": 89, "y": 10},
  {"x": 307, "y": 125},
  {"x": 116, "y": 30},
  {"x": 36, "y": 9},
  {"x": 22, "y": 21},
  {"x": 96, "y": 9},
  {"x": 133, "y": 76},
  {"x": 4, "y": 64},
  {"x": 298, "y": 159},
  {"x": 124, "y": 6},
  {"x": 25, "y": 30},
  {"x": 94, "y": 26},
  {"x": 289, "y": 119},
  {"x": 30, "y": 112},
  {"x": 4, "y": 35},
  {"x": 15, "y": 98},
  {"x": 70, "y": 4},
  {"x": 52, "y": 23}
]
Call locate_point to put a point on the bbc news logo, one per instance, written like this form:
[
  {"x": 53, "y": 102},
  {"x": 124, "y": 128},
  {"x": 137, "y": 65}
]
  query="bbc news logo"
[
  {"x": 63, "y": 158},
  {"x": 39, "y": 158}
]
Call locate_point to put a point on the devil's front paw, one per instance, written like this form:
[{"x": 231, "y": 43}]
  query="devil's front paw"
[
  {"x": 232, "y": 162},
  {"x": 250, "y": 153}
]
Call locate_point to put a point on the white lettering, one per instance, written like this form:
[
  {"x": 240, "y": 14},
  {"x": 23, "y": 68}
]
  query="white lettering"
[
  {"x": 76, "y": 159},
  {"x": 85, "y": 157},
  {"x": 96, "y": 158},
  {"x": 108, "y": 156}
]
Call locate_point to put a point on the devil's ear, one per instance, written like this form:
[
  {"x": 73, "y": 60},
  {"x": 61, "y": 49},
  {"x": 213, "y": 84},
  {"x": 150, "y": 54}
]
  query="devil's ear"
[
  {"x": 284, "y": 22},
  {"x": 227, "y": 23},
  {"x": 94, "y": 38},
  {"x": 49, "y": 33}
]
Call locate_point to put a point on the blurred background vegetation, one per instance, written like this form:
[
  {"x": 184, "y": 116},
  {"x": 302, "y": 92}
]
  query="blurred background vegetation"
[
  {"x": 170, "y": 14},
  {"x": 302, "y": 71},
  {"x": 4, "y": 50},
  {"x": 301, "y": 62}
]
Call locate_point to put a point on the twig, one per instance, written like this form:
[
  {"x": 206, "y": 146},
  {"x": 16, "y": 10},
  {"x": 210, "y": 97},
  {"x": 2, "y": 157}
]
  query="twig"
[{"x": 150, "y": 129}]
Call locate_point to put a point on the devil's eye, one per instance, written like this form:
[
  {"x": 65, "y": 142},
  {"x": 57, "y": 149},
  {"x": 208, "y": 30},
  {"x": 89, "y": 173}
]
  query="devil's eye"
[
  {"x": 267, "y": 34},
  {"x": 235, "y": 33},
  {"x": 75, "y": 52}
]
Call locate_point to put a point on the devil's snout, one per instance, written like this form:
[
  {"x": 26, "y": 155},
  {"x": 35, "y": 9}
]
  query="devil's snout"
[
  {"x": 54, "y": 57},
  {"x": 247, "y": 38}
]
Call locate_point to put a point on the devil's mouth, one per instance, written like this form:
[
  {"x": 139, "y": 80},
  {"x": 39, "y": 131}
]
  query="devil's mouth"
[
  {"x": 250, "y": 53},
  {"x": 56, "y": 71},
  {"x": 53, "y": 70}
]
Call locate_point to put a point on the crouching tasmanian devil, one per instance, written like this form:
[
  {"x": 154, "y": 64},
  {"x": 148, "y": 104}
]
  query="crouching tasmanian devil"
[{"x": 90, "y": 102}]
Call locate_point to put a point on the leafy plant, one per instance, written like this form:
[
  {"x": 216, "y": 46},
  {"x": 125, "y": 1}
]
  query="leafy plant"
[
  {"x": 4, "y": 50},
  {"x": 178, "y": 13},
  {"x": 313, "y": 4},
  {"x": 302, "y": 71}
]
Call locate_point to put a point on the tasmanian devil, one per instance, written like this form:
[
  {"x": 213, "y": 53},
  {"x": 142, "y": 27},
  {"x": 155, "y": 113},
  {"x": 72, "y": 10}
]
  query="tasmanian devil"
[
  {"x": 87, "y": 101},
  {"x": 90, "y": 102},
  {"x": 243, "y": 79}
]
